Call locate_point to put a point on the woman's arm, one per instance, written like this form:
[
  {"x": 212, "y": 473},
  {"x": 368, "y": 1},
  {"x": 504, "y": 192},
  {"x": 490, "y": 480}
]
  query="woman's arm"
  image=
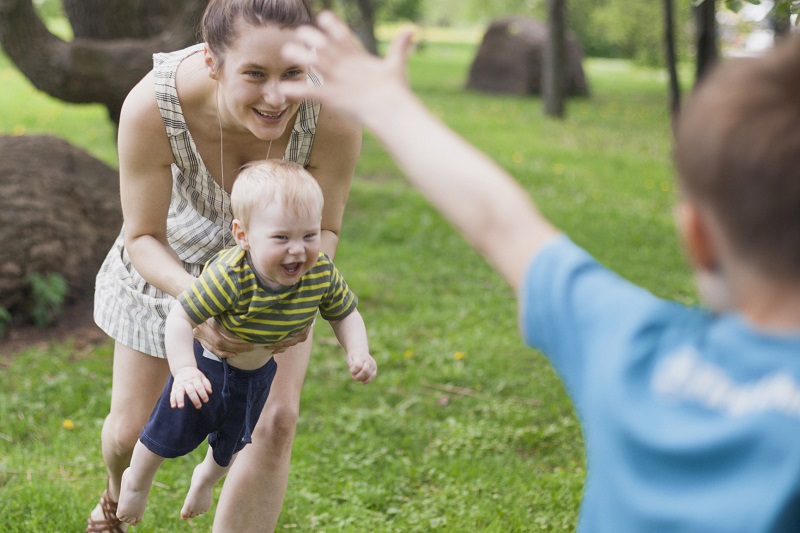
[
  {"x": 337, "y": 145},
  {"x": 145, "y": 158},
  {"x": 146, "y": 189}
]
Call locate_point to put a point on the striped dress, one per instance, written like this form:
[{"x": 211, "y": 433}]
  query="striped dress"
[{"x": 128, "y": 308}]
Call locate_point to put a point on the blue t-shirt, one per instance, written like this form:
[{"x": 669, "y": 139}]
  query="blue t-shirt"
[{"x": 691, "y": 421}]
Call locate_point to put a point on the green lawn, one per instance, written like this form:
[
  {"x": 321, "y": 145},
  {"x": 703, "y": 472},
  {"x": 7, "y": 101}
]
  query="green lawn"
[{"x": 465, "y": 428}]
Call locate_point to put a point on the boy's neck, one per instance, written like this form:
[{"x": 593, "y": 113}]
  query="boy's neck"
[{"x": 771, "y": 306}]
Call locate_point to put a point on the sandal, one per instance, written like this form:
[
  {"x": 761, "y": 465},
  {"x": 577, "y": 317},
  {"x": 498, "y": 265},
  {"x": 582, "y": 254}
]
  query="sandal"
[{"x": 110, "y": 522}]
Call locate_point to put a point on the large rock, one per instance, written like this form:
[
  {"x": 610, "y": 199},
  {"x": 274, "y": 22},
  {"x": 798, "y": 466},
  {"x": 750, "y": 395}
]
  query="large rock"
[
  {"x": 59, "y": 213},
  {"x": 511, "y": 55}
]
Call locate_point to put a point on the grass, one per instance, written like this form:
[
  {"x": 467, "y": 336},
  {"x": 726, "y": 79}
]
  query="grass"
[{"x": 465, "y": 428}]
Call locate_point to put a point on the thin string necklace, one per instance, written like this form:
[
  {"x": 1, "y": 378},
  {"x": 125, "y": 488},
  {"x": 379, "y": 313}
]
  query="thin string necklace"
[{"x": 222, "y": 165}]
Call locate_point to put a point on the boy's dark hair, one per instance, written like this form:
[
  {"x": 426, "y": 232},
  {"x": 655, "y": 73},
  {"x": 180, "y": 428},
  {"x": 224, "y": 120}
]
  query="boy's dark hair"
[{"x": 737, "y": 153}]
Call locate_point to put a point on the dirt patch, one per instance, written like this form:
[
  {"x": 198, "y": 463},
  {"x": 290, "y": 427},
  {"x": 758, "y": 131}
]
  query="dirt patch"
[{"x": 76, "y": 324}]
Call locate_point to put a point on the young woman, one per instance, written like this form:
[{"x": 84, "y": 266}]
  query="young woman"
[{"x": 185, "y": 130}]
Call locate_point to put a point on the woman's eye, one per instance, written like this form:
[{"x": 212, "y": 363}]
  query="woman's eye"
[
  {"x": 254, "y": 74},
  {"x": 293, "y": 74}
]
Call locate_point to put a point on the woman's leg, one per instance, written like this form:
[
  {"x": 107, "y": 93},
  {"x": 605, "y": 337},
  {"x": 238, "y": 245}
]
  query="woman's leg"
[
  {"x": 137, "y": 382},
  {"x": 253, "y": 492}
]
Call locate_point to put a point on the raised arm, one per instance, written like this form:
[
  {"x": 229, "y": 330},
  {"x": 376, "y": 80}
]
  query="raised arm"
[{"x": 483, "y": 202}]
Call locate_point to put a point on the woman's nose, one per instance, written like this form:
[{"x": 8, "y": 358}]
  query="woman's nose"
[{"x": 272, "y": 94}]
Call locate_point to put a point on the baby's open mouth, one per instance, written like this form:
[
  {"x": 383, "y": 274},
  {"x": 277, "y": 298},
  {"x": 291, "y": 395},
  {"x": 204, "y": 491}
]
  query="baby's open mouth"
[{"x": 291, "y": 268}]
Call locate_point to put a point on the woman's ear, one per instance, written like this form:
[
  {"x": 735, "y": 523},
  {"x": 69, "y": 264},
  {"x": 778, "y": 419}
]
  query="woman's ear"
[
  {"x": 695, "y": 233},
  {"x": 239, "y": 234},
  {"x": 211, "y": 64}
]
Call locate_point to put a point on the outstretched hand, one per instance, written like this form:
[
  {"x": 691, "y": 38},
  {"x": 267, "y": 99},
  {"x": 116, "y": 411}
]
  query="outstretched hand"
[{"x": 354, "y": 79}]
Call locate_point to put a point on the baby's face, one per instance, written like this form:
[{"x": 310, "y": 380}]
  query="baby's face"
[{"x": 283, "y": 244}]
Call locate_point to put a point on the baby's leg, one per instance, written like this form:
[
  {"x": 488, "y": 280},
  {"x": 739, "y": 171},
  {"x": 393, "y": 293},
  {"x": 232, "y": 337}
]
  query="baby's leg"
[
  {"x": 136, "y": 482},
  {"x": 201, "y": 493}
]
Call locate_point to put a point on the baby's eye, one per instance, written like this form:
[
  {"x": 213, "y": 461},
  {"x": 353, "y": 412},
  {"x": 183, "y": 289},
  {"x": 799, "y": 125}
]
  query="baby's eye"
[
  {"x": 280, "y": 237},
  {"x": 310, "y": 236}
]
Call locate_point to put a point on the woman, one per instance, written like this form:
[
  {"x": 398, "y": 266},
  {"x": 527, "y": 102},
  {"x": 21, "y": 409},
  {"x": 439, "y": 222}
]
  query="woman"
[{"x": 185, "y": 130}]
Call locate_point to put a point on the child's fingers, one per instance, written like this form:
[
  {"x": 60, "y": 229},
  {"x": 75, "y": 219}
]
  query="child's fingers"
[
  {"x": 176, "y": 398},
  {"x": 364, "y": 370},
  {"x": 197, "y": 390}
]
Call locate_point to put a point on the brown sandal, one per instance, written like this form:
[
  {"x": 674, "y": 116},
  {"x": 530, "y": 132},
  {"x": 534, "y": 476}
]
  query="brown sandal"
[{"x": 110, "y": 522}]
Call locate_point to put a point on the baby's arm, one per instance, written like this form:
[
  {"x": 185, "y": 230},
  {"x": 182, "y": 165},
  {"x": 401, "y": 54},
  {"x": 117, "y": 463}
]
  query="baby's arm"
[
  {"x": 352, "y": 335},
  {"x": 188, "y": 380}
]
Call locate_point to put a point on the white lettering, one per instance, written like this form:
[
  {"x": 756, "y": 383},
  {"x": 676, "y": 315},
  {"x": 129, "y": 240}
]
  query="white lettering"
[{"x": 683, "y": 376}]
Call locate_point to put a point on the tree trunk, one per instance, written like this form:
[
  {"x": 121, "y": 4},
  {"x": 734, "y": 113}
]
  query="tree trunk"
[
  {"x": 129, "y": 19},
  {"x": 669, "y": 45},
  {"x": 92, "y": 69},
  {"x": 365, "y": 28},
  {"x": 555, "y": 59},
  {"x": 707, "y": 53}
]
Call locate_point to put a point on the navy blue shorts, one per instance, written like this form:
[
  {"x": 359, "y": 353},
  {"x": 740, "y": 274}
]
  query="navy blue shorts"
[{"x": 227, "y": 419}]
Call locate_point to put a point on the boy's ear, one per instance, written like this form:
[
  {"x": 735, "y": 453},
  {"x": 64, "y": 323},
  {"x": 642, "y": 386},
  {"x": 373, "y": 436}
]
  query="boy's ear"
[
  {"x": 696, "y": 236},
  {"x": 239, "y": 234}
]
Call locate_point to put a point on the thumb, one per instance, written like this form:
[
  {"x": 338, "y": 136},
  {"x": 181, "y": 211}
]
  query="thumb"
[{"x": 399, "y": 50}]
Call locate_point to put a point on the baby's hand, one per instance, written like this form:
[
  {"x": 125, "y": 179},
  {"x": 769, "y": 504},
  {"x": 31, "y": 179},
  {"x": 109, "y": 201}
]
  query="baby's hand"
[
  {"x": 362, "y": 367},
  {"x": 191, "y": 382}
]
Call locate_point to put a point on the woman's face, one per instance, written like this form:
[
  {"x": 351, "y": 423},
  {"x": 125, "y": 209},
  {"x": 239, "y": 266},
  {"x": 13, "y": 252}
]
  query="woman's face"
[{"x": 250, "y": 81}]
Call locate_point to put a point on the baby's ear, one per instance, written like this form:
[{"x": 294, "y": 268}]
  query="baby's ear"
[{"x": 239, "y": 234}]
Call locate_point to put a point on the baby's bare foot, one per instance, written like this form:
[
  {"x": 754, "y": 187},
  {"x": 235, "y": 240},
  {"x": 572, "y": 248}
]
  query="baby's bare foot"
[
  {"x": 132, "y": 500},
  {"x": 200, "y": 496}
]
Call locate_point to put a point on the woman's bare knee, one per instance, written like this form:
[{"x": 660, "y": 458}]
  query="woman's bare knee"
[{"x": 277, "y": 424}]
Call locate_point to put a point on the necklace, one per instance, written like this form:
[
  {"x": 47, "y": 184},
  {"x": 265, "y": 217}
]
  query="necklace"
[{"x": 222, "y": 165}]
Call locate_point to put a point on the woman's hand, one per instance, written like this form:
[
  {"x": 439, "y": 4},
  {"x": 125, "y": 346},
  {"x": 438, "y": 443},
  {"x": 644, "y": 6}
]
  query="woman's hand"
[
  {"x": 214, "y": 339},
  {"x": 288, "y": 342}
]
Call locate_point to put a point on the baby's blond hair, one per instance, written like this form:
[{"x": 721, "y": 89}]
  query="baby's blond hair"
[{"x": 275, "y": 180}]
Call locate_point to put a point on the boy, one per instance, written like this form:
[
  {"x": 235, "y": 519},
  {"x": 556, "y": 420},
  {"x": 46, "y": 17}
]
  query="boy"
[
  {"x": 266, "y": 288},
  {"x": 691, "y": 417}
]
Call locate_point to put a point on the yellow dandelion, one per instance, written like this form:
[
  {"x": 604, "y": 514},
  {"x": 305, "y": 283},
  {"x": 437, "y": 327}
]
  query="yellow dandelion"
[
  {"x": 458, "y": 356},
  {"x": 18, "y": 130},
  {"x": 517, "y": 157},
  {"x": 408, "y": 354},
  {"x": 68, "y": 424}
]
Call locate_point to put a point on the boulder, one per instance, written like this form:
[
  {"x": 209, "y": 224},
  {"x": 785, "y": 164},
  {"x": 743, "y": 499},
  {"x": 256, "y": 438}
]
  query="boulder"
[{"x": 511, "y": 55}]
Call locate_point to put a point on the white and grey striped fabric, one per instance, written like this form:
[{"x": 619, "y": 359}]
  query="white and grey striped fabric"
[{"x": 128, "y": 308}]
